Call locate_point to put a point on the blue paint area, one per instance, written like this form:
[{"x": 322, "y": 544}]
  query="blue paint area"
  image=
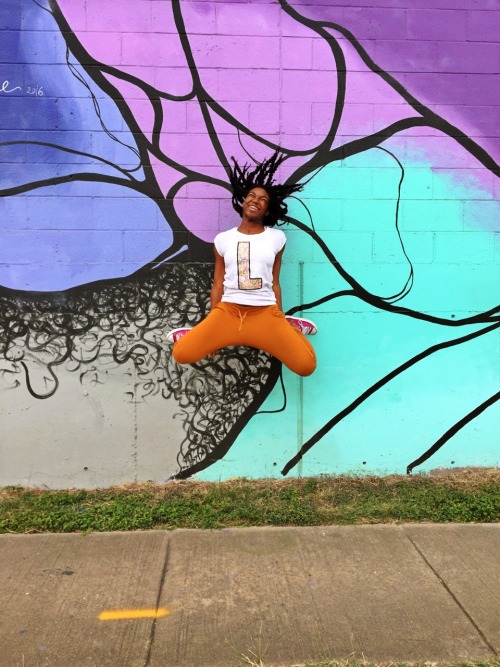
[
  {"x": 9, "y": 45},
  {"x": 71, "y": 238},
  {"x": 10, "y": 15},
  {"x": 76, "y": 232},
  {"x": 53, "y": 100}
]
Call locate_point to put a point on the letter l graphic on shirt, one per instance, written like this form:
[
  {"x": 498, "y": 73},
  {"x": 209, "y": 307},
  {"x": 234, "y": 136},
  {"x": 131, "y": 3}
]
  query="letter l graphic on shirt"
[{"x": 243, "y": 257}]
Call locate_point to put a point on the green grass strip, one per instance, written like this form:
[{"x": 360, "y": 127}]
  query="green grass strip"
[{"x": 467, "y": 496}]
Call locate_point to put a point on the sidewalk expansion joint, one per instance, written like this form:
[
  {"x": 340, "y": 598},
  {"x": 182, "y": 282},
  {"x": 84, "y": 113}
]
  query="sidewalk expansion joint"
[
  {"x": 163, "y": 576},
  {"x": 453, "y": 596}
]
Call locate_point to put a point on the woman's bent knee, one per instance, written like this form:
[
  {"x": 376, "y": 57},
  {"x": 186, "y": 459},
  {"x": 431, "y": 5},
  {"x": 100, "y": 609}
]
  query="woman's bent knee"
[
  {"x": 304, "y": 366},
  {"x": 306, "y": 369},
  {"x": 183, "y": 354},
  {"x": 178, "y": 355}
]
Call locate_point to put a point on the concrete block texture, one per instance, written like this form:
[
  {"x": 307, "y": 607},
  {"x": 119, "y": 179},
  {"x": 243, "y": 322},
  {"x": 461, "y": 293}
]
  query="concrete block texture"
[
  {"x": 427, "y": 24},
  {"x": 118, "y": 122}
]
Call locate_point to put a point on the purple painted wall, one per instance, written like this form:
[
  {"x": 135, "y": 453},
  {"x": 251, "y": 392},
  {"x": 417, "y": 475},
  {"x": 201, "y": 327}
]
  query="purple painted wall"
[{"x": 446, "y": 56}]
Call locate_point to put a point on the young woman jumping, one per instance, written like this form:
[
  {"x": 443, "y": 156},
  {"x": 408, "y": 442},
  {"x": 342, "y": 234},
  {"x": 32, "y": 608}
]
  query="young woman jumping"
[{"x": 246, "y": 306}]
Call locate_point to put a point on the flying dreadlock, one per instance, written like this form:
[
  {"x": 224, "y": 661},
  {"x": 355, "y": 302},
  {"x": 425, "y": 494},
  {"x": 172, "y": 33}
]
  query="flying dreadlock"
[{"x": 243, "y": 179}]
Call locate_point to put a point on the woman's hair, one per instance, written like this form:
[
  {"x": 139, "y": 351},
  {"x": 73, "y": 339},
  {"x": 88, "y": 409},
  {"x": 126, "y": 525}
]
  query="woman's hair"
[{"x": 243, "y": 179}]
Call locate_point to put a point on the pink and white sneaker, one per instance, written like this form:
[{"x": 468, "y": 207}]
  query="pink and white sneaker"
[
  {"x": 174, "y": 335},
  {"x": 306, "y": 327}
]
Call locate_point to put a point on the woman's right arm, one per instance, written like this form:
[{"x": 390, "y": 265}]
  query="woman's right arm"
[{"x": 218, "y": 284}]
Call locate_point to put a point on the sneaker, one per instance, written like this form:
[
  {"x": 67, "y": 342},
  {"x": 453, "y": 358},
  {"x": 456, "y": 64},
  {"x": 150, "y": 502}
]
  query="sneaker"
[
  {"x": 174, "y": 335},
  {"x": 306, "y": 327}
]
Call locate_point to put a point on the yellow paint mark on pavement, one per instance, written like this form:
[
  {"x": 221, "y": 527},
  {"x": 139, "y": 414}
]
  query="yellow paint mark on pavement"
[{"x": 122, "y": 614}]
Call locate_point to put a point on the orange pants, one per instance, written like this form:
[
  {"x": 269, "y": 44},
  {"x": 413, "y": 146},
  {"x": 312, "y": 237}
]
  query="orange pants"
[{"x": 263, "y": 327}]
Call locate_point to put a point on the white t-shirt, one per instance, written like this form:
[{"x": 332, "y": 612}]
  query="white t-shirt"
[{"x": 249, "y": 261}]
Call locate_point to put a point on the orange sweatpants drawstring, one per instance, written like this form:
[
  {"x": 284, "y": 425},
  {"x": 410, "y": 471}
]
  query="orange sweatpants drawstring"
[{"x": 242, "y": 319}]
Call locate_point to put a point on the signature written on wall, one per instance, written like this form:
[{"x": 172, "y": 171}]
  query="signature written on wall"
[{"x": 35, "y": 91}]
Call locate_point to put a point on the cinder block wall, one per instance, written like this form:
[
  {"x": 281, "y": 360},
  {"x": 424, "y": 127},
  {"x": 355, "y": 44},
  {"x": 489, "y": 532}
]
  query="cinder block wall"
[{"x": 117, "y": 126}]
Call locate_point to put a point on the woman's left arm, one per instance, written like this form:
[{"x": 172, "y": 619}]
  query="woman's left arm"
[{"x": 276, "y": 278}]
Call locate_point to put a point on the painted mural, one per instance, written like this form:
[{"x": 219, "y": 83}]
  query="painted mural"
[{"x": 117, "y": 129}]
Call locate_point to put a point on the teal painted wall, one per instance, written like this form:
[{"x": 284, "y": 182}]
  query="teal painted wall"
[{"x": 451, "y": 250}]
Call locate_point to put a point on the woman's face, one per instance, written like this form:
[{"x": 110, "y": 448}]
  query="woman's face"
[{"x": 256, "y": 205}]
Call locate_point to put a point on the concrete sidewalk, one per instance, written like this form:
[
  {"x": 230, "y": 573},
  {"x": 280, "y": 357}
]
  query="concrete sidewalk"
[{"x": 284, "y": 596}]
